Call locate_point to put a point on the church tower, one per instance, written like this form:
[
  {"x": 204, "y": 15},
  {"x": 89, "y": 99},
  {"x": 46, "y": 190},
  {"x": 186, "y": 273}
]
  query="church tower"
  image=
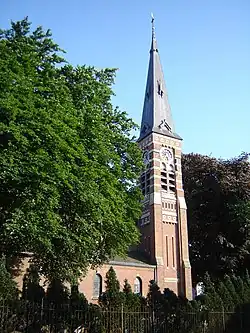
[{"x": 163, "y": 224}]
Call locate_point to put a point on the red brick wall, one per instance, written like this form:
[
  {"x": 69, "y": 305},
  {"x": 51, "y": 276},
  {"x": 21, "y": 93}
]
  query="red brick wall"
[
  {"x": 173, "y": 267},
  {"x": 86, "y": 283},
  {"x": 123, "y": 272}
]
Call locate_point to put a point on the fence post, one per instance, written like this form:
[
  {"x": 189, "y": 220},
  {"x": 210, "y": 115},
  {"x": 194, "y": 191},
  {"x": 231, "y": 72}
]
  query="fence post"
[
  {"x": 122, "y": 318},
  {"x": 42, "y": 311},
  {"x": 153, "y": 320},
  {"x": 223, "y": 319},
  {"x": 241, "y": 318}
]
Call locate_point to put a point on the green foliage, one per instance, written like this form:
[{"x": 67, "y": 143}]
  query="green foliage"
[
  {"x": 154, "y": 296},
  {"x": 32, "y": 291},
  {"x": 132, "y": 302},
  {"x": 77, "y": 299},
  {"x": 212, "y": 300},
  {"x": 162, "y": 312},
  {"x": 246, "y": 284},
  {"x": 77, "y": 303},
  {"x": 112, "y": 297},
  {"x": 68, "y": 164},
  {"x": 227, "y": 294},
  {"x": 170, "y": 311},
  {"x": 218, "y": 200},
  {"x": 239, "y": 288},
  {"x": 8, "y": 288},
  {"x": 226, "y": 297},
  {"x": 247, "y": 278},
  {"x": 231, "y": 288},
  {"x": 57, "y": 293},
  {"x": 127, "y": 288},
  {"x": 111, "y": 282}
]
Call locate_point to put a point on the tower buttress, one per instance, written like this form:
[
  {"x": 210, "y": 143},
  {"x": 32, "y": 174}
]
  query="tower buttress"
[{"x": 163, "y": 225}]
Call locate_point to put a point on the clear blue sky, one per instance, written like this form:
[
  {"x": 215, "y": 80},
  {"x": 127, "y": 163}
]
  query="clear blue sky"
[{"x": 204, "y": 48}]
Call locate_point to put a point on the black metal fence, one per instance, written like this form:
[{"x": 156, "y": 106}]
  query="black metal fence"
[{"x": 49, "y": 318}]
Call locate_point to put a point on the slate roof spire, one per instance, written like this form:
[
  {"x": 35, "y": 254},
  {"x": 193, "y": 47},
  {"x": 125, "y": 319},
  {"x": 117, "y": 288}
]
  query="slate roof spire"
[{"x": 156, "y": 115}]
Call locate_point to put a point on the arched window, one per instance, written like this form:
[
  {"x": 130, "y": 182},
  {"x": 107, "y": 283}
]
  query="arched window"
[
  {"x": 97, "y": 287},
  {"x": 164, "y": 179},
  {"x": 138, "y": 286},
  {"x": 167, "y": 177}
]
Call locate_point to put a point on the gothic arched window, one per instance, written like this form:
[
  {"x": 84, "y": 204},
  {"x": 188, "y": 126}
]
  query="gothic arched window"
[
  {"x": 138, "y": 286},
  {"x": 164, "y": 179},
  {"x": 168, "y": 177},
  {"x": 97, "y": 286}
]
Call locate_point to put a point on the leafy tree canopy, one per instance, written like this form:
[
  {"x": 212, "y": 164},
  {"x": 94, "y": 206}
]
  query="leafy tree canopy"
[
  {"x": 68, "y": 162},
  {"x": 218, "y": 200}
]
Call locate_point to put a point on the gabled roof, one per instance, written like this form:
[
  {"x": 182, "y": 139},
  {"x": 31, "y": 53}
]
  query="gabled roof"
[{"x": 133, "y": 258}]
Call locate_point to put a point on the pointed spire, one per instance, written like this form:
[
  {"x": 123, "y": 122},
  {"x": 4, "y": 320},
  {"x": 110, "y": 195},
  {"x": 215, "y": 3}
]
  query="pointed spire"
[{"x": 156, "y": 115}]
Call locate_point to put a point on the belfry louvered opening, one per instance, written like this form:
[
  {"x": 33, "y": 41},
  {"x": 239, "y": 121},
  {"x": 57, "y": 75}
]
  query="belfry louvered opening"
[{"x": 168, "y": 178}]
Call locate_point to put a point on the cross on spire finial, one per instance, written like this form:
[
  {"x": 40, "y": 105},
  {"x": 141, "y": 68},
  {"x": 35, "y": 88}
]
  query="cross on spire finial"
[{"x": 153, "y": 25}]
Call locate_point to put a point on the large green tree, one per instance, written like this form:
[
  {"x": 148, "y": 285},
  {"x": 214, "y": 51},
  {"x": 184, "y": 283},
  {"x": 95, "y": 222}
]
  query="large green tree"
[
  {"x": 68, "y": 161},
  {"x": 218, "y": 200}
]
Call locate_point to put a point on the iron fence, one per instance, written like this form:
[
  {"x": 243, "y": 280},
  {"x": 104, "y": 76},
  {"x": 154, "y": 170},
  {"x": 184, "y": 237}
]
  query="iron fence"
[{"x": 29, "y": 317}]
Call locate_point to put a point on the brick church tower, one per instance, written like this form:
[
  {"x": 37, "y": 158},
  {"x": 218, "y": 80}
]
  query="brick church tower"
[{"x": 163, "y": 224}]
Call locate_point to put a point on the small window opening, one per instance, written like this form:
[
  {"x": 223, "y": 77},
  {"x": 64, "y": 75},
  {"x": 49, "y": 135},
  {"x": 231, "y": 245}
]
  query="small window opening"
[
  {"x": 138, "y": 286},
  {"x": 97, "y": 287}
]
